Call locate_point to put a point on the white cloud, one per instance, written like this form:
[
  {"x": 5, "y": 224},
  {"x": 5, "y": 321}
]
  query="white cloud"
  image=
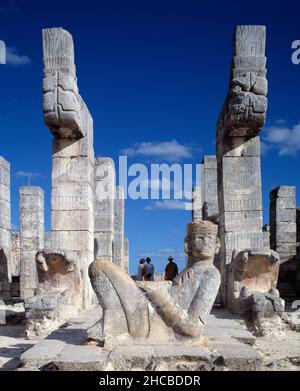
[
  {"x": 29, "y": 176},
  {"x": 170, "y": 151},
  {"x": 286, "y": 140},
  {"x": 167, "y": 205},
  {"x": 15, "y": 59}
]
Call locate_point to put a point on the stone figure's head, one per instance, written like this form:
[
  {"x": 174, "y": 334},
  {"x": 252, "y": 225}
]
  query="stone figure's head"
[{"x": 201, "y": 241}]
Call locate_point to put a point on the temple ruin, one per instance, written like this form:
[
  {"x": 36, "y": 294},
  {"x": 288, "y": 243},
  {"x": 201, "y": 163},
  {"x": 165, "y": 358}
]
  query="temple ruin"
[{"x": 77, "y": 274}]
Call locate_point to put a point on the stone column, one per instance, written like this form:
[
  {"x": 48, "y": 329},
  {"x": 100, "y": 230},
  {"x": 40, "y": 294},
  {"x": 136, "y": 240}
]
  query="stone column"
[
  {"x": 5, "y": 233},
  {"x": 266, "y": 236},
  {"x": 283, "y": 229},
  {"x": 67, "y": 117},
  {"x": 283, "y": 236},
  {"x": 31, "y": 237},
  {"x": 119, "y": 227},
  {"x": 126, "y": 256},
  {"x": 197, "y": 204},
  {"x": 105, "y": 185},
  {"x": 298, "y": 224},
  {"x": 210, "y": 208},
  {"x": 238, "y": 148}
]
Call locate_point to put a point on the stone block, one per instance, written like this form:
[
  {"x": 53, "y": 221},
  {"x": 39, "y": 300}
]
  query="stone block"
[
  {"x": 82, "y": 358},
  {"x": 73, "y": 240},
  {"x": 72, "y": 196},
  {"x": 42, "y": 353},
  {"x": 75, "y": 169},
  {"x": 72, "y": 220}
]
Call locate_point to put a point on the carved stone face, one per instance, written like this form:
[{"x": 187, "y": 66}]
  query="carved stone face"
[
  {"x": 201, "y": 242},
  {"x": 203, "y": 246}
]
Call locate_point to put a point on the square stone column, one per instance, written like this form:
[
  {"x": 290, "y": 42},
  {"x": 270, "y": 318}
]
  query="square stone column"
[
  {"x": 5, "y": 230},
  {"x": 210, "y": 208},
  {"x": 283, "y": 237},
  {"x": 126, "y": 256},
  {"x": 105, "y": 185},
  {"x": 197, "y": 204},
  {"x": 119, "y": 227},
  {"x": 69, "y": 120},
  {"x": 283, "y": 229},
  {"x": 238, "y": 148},
  {"x": 31, "y": 237}
]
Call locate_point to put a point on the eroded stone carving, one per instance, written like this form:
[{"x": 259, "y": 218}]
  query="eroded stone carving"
[
  {"x": 251, "y": 290},
  {"x": 238, "y": 148},
  {"x": 165, "y": 309},
  {"x": 66, "y": 115},
  {"x": 57, "y": 296}
]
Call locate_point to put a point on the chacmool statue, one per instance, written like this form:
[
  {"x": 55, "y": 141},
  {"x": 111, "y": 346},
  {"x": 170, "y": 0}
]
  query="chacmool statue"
[{"x": 164, "y": 309}]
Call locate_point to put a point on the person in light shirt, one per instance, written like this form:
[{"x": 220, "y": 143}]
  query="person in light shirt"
[{"x": 141, "y": 270}]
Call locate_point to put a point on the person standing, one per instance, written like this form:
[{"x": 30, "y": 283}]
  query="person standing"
[
  {"x": 171, "y": 269},
  {"x": 149, "y": 274},
  {"x": 141, "y": 270}
]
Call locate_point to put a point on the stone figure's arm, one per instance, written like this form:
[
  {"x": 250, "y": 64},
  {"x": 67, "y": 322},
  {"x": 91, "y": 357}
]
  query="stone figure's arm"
[
  {"x": 173, "y": 315},
  {"x": 187, "y": 321},
  {"x": 208, "y": 285}
]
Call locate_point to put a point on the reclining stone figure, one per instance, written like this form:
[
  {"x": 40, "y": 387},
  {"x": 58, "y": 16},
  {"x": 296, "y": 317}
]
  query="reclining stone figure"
[{"x": 177, "y": 309}]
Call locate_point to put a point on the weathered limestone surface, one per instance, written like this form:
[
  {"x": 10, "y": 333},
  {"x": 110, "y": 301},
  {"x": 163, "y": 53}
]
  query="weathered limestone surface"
[
  {"x": 283, "y": 222},
  {"x": 118, "y": 246},
  {"x": 105, "y": 185},
  {"x": 31, "y": 237},
  {"x": 67, "y": 117},
  {"x": 210, "y": 208},
  {"x": 283, "y": 237},
  {"x": 15, "y": 254},
  {"x": 162, "y": 310},
  {"x": 5, "y": 226},
  {"x": 197, "y": 204},
  {"x": 298, "y": 224},
  {"x": 227, "y": 347},
  {"x": 125, "y": 262},
  {"x": 238, "y": 147},
  {"x": 266, "y": 236},
  {"x": 64, "y": 286},
  {"x": 58, "y": 295}
]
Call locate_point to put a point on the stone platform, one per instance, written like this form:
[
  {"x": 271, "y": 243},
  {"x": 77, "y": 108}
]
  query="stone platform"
[{"x": 227, "y": 345}]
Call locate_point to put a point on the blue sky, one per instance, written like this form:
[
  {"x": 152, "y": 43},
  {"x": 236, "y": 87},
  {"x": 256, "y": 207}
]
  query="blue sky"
[{"x": 154, "y": 75}]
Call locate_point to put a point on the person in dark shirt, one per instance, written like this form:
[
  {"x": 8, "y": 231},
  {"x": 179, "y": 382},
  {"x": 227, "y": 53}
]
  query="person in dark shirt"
[{"x": 171, "y": 270}]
